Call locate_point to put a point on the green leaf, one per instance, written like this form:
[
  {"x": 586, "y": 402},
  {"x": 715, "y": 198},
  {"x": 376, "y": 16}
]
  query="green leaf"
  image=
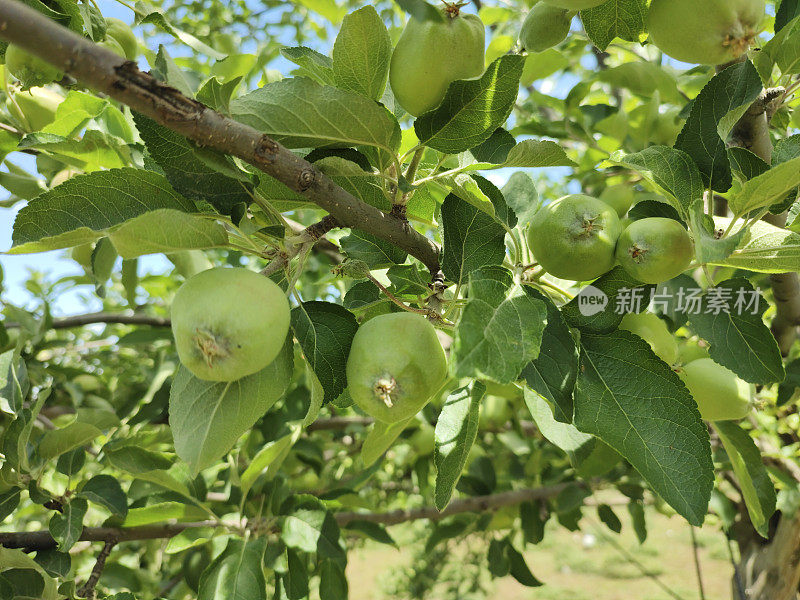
[
  {"x": 709, "y": 246},
  {"x": 57, "y": 564},
  {"x": 636, "y": 512},
  {"x": 325, "y": 332},
  {"x": 9, "y": 501},
  {"x": 714, "y": 112},
  {"x": 497, "y": 558},
  {"x": 407, "y": 279},
  {"x": 518, "y": 568},
  {"x": 766, "y": 189},
  {"x": 11, "y": 396},
  {"x": 730, "y": 318},
  {"x": 167, "y": 230},
  {"x": 295, "y": 580},
  {"x": 332, "y": 582},
  {"x": 329, "y": 9},
  {"x": 671, "y": 171},
  {"x": 66, "y": 527},
  {"x": 374, "y": 531},
  {"x": 552, "y": 374},
  {"x": 162, "y": 512},
  {"x": 312, "y": 64},
  {"x": 615, "y": 18},
  {"x": 784, "y": 48},
  {"x": 188, "y": 173},
  {"x": 471, "y": 239},
  {"x": 237, "y": 573},
  {"x": 231, "y": 408},
  {"x": 86, "y": 207},
  {"x": 361, "y": 54},
  {"x": 267, "y": 454},
  {"x": 374, "y": 251},
  {"x": 521, "y": 195},
  {"x": 763, "y": 249},
  {"x": 472, "y": 109},
  {"x": 607, "y": 515},
  {"x": 420, "y": 10},
  {"x": 500, "y": 329},
  {"x": 308, "y": 526},
  {"x": 576, "y": 445},
  {"x": 380, "y": 437},
  {"x": 745, "y": 164},
  {"x": 537, "y": 153},
  {"x": 300, "y": 113},
  {"x": 642, "y": 78},
  {"x": 58, "y": 441},
  {"x": 455, "y": 433},
  {"x": 17, "y": 559},
  {"x": 106, "y": 491},
  {"x": 636, "y": 404},
  {"x": 95, "y": 150},
  {"x": 748, "y": 466},
  {"x": 620, "y": 289}
]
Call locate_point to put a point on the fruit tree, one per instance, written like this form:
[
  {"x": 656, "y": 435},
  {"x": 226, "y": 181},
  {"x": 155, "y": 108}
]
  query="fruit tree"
[{"x": 451, "y": 277}]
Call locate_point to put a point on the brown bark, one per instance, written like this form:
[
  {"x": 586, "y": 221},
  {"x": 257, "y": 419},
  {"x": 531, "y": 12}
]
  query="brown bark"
[{"x": 107, "y": 72}]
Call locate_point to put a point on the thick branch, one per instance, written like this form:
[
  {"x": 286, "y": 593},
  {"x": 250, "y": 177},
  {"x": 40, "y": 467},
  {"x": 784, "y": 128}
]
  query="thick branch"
[
  {"x": 42, "y": 540},
  {"x": 107, "y": 72},
  {"x": 103, "y": 317},
  {"x": 752, "y": 132}
]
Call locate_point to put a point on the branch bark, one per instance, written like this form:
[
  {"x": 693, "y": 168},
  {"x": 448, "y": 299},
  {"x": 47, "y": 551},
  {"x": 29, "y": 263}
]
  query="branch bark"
[
  {"x": 771, "y": 571},
  {"x": 104, "y": 317},
  {"x": 122, "y": 80},
  {"x": 42, "y": 540}
]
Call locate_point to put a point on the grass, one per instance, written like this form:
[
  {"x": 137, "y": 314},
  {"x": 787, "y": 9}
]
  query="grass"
[{"x": 583, "y": 565}]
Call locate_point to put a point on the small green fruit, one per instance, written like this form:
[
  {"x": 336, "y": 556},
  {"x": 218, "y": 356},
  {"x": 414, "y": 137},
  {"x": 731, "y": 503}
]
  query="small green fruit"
[
  {"x": 574, "y": 237},
  {"x": 229, "y": 323},
  {"x": 123, "y": 34},
  {"x": 431, "y": 55},
  {"x": 619, "y": 197},
  {"x": 655, "y": 249},
  {"x": 544, "y": 27},
  {"x": 709, "y": 32},
  {"x": 575, "y": 4},
  {"x": 396, "y": 364},
  {"x": 719, "y": 393},
  {"x": 690, "y": 351},
  {"x": 112, "y": 44},
  {"x": 29, "y": 69},
  {"x": 653, "y": 331},
  {"x": 35, "y": 108}
]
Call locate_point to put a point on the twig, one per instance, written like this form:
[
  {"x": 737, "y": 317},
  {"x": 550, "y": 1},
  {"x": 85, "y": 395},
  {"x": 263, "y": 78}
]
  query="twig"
[
  {"x": 697, "y": 568},
  {"x": 42, "y": 540},
  {"x": 103, "y": 317},
  {"x": 87, "y": 590},
  {"x": 106, "y": 72}
]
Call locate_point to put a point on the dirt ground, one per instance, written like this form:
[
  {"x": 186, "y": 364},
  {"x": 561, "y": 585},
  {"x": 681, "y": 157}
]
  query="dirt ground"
[{"x": 584, "y": 565}]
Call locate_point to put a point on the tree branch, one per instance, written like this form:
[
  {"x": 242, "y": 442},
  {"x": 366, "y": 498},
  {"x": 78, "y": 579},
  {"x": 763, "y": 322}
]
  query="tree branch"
[
  {"x": 42, "y": 540},
  {"x": 103, "y": 317},
  {"x": 752, "y": 132},
  {"x": 107, "y": 72},
  {"x": 87, "y": 590}
]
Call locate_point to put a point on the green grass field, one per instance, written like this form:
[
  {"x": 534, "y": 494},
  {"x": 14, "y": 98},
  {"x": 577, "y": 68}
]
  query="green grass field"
[{"x": 584, "y": 565}]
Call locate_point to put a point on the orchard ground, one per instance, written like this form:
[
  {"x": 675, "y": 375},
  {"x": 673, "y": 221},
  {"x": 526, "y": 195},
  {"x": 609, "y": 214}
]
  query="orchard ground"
[{"x": 579, "y": 565}]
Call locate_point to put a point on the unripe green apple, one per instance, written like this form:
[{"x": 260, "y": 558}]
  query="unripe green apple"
[
  {"x": 719, "y": 393},
  {"x": 112, "y": 44},
  {"x": 423, "y": 440},
  {"x": 396, "y": 364},
  {"x": 655, "y": 249},
  {"x": 690, "y": 351},
  {"x": 653, "y": 331},
  {"x": 63, "y": 176},
  {"x": 431, "y": 55},
  {"x": 123, "y": 34},
  {"x": 574, "y": 237},
  {"x": 575, "y": 4},
  {"x": 544, "y": 27},
  {"x": 29, "y": 69},
  {"x": 619, "y": 197},
  {"x": 709, "y": 32},
  {"x": 229, "y": 323},
  {"x": 35, "y": 108}
]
